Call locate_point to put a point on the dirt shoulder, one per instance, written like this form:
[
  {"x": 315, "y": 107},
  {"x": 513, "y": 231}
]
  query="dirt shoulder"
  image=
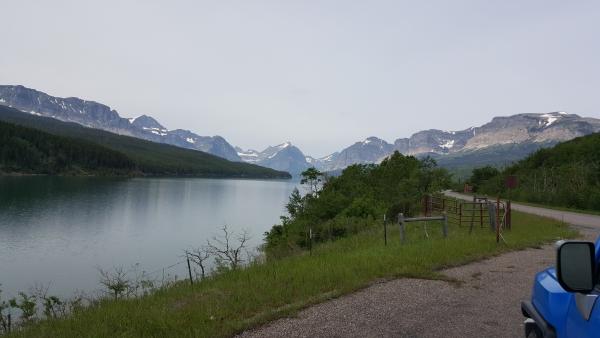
[{"x": 485, "y": 304}]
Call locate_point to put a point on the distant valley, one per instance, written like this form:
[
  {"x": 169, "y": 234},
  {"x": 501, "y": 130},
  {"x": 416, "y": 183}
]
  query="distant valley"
[{"x": 498, "y": 142}]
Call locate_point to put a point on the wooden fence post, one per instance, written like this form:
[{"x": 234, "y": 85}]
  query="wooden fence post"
[
  {"x": 480, "y": 215},
  {"x": 498, "y": 220},
  {"x": 310, "y": 241},
  {"x": 508, "y": 215},
  {"x": 189, "y": 270},
  {"x": 445, "y": 224},
  {"x": 384, "y": 230},
  {"x": 401, "y": 226}
]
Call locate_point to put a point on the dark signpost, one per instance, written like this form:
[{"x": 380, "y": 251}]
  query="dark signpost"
[{"x": 512, "y": 182}]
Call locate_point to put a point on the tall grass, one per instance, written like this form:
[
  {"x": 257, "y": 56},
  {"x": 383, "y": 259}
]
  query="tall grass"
[{"x": 237, "y": 300}]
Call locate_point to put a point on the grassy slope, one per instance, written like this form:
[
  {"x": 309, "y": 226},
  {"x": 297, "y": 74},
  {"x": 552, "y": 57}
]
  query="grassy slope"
[
  {"x": 152, "y": 158},
  {"x": 237, "y": 300}
]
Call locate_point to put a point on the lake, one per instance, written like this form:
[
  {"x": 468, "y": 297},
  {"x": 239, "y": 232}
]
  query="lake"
[{"x": 58, "y": 231}]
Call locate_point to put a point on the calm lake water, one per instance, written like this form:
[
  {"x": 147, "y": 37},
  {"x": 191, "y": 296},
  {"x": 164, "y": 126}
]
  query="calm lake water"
[{"x": 58, "y": 230}]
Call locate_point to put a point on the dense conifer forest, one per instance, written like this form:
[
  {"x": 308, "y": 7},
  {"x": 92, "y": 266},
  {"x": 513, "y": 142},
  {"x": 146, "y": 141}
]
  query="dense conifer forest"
[
  {"x": 26, "y": 150},
  {"x": 40, "y": 145}
]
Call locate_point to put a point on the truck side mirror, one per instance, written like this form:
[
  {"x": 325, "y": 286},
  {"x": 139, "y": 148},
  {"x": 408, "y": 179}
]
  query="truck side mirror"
[{"x": 576, "y": 266}]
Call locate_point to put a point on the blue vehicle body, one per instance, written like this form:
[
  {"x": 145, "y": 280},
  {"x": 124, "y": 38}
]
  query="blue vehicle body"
[{"x": 555, "y": 312}]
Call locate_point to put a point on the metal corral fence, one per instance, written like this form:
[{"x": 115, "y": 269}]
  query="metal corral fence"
[{"x": 480, "y": 211}]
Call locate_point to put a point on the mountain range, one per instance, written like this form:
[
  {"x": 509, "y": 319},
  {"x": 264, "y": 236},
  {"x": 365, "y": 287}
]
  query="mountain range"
[
  {"x": 99, "y": 116},
  {"x": 498, "y": 142},
  {"x": 42, "y": 145}
]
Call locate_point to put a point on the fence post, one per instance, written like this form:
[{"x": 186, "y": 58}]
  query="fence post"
[
  {"x": 508, "y": 215},
  {"x": 430, "y": 206},
  {"x": 189, "y": 270},
  {"x": 498, "y": 220},
  {"x": 310, "y": 241},
  {"x": 445, "y": 224},
  {"x": 401, "y": 226},
  {"x": 384, "y": 230},
  {"x": 480, "y": 215}
]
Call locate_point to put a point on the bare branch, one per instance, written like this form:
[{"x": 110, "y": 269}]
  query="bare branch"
[{"x": 225, "y": 251}]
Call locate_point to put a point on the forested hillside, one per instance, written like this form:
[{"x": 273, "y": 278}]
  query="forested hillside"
[
  {"x": 26, "y": 150},
  {"x": 567, "y": 175},
  {"x": 148, "y": 158}
]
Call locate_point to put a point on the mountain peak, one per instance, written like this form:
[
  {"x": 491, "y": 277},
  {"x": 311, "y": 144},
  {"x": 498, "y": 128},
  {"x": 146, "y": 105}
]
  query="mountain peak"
[
  {"x": 147, "y": 123},
  {"x": 284, "y": 145}
]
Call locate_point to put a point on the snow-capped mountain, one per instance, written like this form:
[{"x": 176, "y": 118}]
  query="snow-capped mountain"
[
  {"x": 523, "y": 133},
  {"x": 250, "y": 155},
  {"x": 370, "y": 150},
  {"x": 505, "y": 138},
  {"x": 285, "y": 156},
  {"x": 99, "y": 116},
  {"x": 509, "y": 137}
]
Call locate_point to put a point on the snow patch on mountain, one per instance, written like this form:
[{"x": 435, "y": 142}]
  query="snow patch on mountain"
[
  {"x": 327, "y": 158},
  {"x": 156, "y": 131},
  {"x": 449, "y": 144},
  {"x": 550, "y": 118}
]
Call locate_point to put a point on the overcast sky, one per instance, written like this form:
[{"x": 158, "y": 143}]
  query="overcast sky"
[{"x": 321, "y": 74}]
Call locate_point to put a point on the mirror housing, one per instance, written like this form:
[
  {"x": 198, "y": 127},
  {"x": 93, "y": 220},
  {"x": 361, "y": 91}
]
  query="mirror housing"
[{"x": 576, "y": 266}]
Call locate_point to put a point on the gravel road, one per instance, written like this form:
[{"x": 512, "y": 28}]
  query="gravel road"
[
  {"x": 486, "y": 304},
  {"x": 580, "y": 220}
]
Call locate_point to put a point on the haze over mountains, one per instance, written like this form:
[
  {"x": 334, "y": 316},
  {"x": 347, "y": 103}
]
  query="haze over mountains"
[{"x": 502, "y": 140}]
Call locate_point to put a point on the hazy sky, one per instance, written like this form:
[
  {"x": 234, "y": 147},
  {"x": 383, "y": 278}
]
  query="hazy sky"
[{"x": 321, "y": 74}]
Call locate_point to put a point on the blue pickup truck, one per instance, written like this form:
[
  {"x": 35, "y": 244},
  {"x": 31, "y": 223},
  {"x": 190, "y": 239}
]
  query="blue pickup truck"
[{"x": 563, "y": 303}]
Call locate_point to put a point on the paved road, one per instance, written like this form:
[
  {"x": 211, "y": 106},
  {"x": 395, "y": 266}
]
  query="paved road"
[
  {"x": 487, "y": 304},
  {"x": 577, "y": 219}
]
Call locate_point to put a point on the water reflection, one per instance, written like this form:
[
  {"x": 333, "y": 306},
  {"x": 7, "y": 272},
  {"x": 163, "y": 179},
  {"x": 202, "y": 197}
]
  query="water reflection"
[{"x": 58, "y": 229}]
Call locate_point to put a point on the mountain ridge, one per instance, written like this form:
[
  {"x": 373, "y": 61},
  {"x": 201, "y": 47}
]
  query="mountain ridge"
[
  {"x": 148, "y": 158},
  {"x": 100, "y": 116},
  {"x": 521, "y": 133}
]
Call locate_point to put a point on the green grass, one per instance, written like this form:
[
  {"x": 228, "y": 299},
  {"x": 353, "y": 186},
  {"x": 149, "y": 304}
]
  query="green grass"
[{"x": 238, "y": 300}]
